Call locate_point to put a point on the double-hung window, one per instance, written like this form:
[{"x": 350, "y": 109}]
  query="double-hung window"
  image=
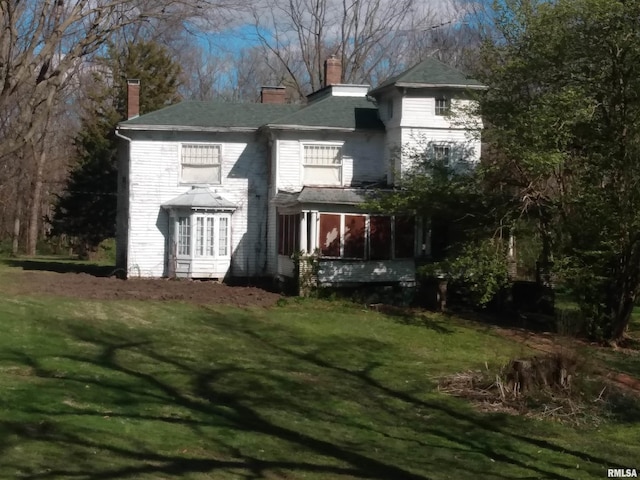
[
  {"x": 443, "y": 106},
  {"x": 322, "y": 164},
  {"x": 200, "y": 163},
  {"x": 184, "y": 236}
]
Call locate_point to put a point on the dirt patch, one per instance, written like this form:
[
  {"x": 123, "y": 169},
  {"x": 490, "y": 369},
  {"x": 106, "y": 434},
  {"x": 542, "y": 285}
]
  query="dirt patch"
[{"x": 84, "y": 286}]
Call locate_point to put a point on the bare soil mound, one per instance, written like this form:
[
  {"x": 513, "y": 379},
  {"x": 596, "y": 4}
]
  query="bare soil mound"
[{"x": 84, "y": 286}]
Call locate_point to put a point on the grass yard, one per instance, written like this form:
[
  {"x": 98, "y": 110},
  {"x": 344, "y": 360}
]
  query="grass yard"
[{"x": 97, "y": 389}]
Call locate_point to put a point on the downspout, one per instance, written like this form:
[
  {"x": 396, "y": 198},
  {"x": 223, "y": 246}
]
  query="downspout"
[{"x": 125, "y": 267}]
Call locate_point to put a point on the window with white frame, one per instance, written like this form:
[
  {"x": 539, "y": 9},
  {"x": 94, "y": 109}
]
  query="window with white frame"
[
  {"x": 322, "y": 164},
  {"x": 200, "y": 163},
  {"x": 184, "y": 236},
  {"x": 204, "y": 234},
  {"x": 442, "y": 154},
  {"x": 223, "y": 236},
  {"x": 443, "y": 106}
]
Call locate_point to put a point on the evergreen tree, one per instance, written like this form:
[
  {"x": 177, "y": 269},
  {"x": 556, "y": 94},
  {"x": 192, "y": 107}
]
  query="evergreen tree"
[{"x": 86, "y": 211}]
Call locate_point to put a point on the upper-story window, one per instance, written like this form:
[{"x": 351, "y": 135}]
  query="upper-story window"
[
  {"x": 322, "y": 164},
  {"x": 200, "y": 163},
  {"x": 443, "y": 106}
]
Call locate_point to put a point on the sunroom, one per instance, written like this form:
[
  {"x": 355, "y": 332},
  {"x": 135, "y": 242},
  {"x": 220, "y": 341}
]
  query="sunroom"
[
  {"x": 353, "y": 246},
  {"x": 199, "y": 240}
]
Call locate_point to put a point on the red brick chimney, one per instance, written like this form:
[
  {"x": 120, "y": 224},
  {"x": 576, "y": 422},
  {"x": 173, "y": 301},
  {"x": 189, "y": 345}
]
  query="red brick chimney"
[
  {"x": 332, "y": 71},
  {"x": 272, "y": 95},
  {"x": 133, "y": 98}
]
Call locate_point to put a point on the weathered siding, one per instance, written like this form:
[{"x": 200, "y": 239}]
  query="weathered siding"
[
  {"x": 333, "y": 272},
  {"x": 272, "y": 219},
  {"x": 122, "y": 210},
  {"x": 391, "y": 122},
  {"x": 285, "y": 266},
  {"x": 154, "y": 179},
  {"x": 419, "y": 110},
  {"x": 363, "y": 159}
]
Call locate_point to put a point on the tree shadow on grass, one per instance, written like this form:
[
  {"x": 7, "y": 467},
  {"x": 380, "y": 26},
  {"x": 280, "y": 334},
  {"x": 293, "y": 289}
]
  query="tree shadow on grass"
[
  {"x": 60, "y": 266},
  {"x": 320, "y": 409}
]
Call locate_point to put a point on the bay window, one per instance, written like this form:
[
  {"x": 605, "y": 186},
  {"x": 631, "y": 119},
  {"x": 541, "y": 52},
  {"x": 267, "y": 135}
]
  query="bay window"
[{"x": 203, "y": 235}]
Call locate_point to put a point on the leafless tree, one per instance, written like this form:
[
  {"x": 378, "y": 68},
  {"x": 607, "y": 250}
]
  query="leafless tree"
[
  {"x": 45, "y": 45},
  {"x": 371, "y": 37}
]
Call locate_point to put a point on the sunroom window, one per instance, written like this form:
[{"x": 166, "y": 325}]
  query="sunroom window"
[
  {"x": 370, "y": 237},
  {"x": 322, "y": 164}
]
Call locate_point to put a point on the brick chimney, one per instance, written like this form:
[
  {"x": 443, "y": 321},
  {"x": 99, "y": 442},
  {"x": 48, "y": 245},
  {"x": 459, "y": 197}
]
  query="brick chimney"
[
  {"x": 133, "y": 98},
  {"x": 272, "y": 95},
  {"x": 332, "y": 71}
]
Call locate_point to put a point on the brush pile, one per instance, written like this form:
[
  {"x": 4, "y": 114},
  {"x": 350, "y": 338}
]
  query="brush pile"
[{"x": 550, "y": 386}]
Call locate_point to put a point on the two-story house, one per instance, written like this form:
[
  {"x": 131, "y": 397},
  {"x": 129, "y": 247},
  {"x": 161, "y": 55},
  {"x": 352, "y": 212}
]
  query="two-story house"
[{"x": 219, "y": 190}]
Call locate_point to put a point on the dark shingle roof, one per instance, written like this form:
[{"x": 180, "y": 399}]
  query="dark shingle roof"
[
  {"x": 430, "y": 72},
  {"x": 337, "y": 112},
  {"x": 323, "y": 195},
  {"x": 212, "y": 115}
]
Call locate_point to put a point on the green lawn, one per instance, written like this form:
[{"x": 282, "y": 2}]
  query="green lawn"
[{"x": 311, "y": 389}]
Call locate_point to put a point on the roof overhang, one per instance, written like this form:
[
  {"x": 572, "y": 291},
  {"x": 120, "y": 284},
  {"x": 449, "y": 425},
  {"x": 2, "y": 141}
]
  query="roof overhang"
[
  {"x": 200, "y": 199},
  {"x": 186, "y": 128},
  {"x": 351, "y": 197},
  {"x": 314, "y": 128},
  {"x": 377, "y": 91}
]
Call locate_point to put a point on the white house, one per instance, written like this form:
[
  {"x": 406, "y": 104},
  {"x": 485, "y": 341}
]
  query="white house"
[{"x": 218, "y": 190}]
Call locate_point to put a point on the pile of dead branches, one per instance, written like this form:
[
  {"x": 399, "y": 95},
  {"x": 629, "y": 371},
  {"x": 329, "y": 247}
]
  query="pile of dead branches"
[{"x": 539, "y": 387}]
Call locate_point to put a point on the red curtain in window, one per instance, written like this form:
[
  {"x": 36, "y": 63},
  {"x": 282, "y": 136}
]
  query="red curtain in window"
[
  {"x": 330, "y": 235},
  {"x": 405, "y": 234},
  {"x": 380, "y": 238},
  {"x": 354, "y": 226}
]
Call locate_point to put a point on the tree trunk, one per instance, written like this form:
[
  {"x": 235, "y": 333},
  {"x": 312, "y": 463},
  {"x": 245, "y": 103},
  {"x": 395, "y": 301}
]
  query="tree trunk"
[
  {"x": 36, "y": 201},
  {"x": 621, "y": 319},
  {"x": 16, "y": 225}
]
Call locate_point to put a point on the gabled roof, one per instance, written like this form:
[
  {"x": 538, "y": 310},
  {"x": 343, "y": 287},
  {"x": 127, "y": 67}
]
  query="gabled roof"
[
  {"x": 344, "y": 113},
  {"x": 430, "y": 73},
  {"x": 200, "y": 198},
  {"x": 212, "y": 116}
]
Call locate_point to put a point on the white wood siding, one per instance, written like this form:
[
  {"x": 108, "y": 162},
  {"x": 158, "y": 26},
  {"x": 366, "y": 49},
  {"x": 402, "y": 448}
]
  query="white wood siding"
[
  {"x": 154, "y": 179},
  {"x": 419, "y": 110},
  {"x": 363, "y": 154}
]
